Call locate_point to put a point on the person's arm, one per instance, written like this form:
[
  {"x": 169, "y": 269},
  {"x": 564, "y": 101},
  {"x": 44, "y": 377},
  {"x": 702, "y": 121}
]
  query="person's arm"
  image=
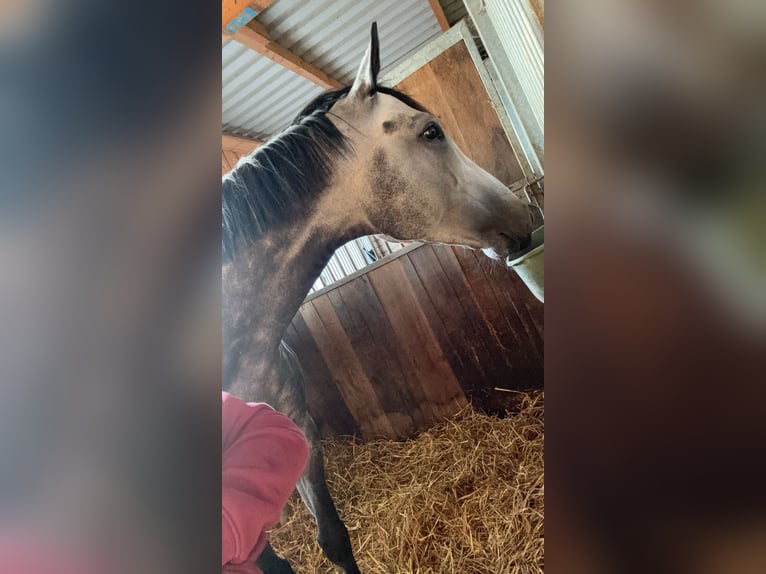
[{"x": 264, "y": 454}]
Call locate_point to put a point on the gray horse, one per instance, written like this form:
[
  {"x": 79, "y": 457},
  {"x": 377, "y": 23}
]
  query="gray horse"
[{"x": 360, "y": 160}]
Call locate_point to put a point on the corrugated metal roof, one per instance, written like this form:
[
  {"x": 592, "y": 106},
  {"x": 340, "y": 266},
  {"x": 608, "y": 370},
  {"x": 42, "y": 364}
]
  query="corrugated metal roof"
[{"x": 261, "y": 97}]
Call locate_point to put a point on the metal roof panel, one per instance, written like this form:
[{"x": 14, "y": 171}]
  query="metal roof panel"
[{"x": 260, "y": 97}]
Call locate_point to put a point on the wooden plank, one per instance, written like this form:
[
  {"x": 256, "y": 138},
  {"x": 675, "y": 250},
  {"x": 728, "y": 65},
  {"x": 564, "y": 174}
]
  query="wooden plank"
[
  {"x": 409, "y": 340},
  {"x": 514, "y": 296},
  {"x": 416, "y": 339},
  {"x": 537, "y": 313},
  {"x": 323, "y": 400},
  {"x": 518, "y": 367},
  {"x": 225, "y": 165},
  {"x": 515, "y": 292},
  {"x": 232, "y": 158},
  {"x": 348, "y": 374},
  {"x": 507, "y": 335},
  {"x": 238, "y": 144},
  {"x": 439, "y": 13},
  {"x": 377, "y": 348},
  {"x": 255, "y": 37},
  {"x": 446, "y": 317},
  {"x": 535, "y": 310},
  {"x": 528, "y": 357},
  {"x": 237, "y": 13},
  {"x": 483, "y": 341},
  {"x": 446, "y": 328},
  {"x": 375, "y": 360}
]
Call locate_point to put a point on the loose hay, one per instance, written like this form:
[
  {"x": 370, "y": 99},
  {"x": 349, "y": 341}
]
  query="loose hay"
[{"x": 466, "y": 496}]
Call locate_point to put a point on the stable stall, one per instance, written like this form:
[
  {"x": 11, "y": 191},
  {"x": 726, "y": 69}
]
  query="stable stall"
[{"x": 417, "y": 351}]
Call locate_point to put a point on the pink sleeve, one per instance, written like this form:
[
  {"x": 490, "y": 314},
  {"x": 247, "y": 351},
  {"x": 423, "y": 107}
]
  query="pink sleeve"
[{"x": 264, "y": 454}]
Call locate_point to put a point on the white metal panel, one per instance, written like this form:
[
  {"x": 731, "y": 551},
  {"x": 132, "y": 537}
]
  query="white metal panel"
[
  {"x": 260, "y": 97},
  {"x": 514, "y": 25},
  {"x": 352, "y": 257},
  {"x": 512, "y": 38}
]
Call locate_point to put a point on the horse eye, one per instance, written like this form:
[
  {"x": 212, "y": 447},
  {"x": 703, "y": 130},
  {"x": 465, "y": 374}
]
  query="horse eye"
[{"x": 432, "y": 133}]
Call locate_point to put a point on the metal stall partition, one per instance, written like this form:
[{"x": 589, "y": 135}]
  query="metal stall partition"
[{"x": 513, "y": 36}]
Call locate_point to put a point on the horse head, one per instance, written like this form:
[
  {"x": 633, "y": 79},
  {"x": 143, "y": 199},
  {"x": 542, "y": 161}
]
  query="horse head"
[{"x": 411, "y": 182}]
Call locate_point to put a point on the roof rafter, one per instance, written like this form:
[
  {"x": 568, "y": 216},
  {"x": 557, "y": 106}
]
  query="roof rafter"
[
  {"x": 255, "y": 37},
  {"x": 439, "y": 13},
  {"x": 238, "y": 23},
  {"x": 236, "y": 13}
]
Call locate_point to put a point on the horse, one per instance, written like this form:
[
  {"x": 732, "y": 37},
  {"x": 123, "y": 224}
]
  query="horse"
[{"x": 359, "y": 160}]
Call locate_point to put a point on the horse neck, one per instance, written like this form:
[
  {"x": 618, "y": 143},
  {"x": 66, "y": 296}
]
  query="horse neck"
[{"x": 265, "y": 285}]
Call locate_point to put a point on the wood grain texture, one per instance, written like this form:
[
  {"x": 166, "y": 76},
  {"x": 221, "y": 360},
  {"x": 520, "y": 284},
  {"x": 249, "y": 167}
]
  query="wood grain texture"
[
  {"x": 347, "y": 372},
  {"x": 416, "y": 338},
  {"x": 372, "y": 335},
  {"x": 322, "y": 393},
  {"x": 229, "y": 160},
  {"x": 439, "y": 13},
  {"x": 397, "y": 350},
  {"x": 233, "y": 11}
]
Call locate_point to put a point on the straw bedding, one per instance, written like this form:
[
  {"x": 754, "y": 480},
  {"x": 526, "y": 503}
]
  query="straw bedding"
[{"x": 466, "y": 496}]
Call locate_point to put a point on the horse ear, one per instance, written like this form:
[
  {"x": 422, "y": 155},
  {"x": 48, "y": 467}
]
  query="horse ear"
[{"x": 367, "y": 77}]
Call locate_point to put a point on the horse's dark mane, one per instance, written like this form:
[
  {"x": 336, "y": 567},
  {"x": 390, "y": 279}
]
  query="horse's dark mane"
[{"x": 291, "y": 169}]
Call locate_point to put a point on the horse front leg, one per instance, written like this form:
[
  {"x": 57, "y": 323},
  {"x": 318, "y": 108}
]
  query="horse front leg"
[
  {"x": 270, "y": 563},
  {"x": 332, "y": 534}
]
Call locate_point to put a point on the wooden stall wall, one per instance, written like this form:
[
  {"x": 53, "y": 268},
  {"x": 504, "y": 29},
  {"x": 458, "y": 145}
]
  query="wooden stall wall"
[
  {"x": 395, "y": 350},
  {"x": 233, "y": 148},
  {"x": 228, "y": 160}
]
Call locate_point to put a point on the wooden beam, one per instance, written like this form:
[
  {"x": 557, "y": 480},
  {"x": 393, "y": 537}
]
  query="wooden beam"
[
  {"x": 238, "y": 145},
  {"x": 237, "y": 13},
  {"x": 255, "y": 37},
  {"x": 439, "y": 13}
]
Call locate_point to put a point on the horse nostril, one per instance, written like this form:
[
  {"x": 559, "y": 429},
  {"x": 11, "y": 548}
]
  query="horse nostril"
[{"x": 526, "y": 241}]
